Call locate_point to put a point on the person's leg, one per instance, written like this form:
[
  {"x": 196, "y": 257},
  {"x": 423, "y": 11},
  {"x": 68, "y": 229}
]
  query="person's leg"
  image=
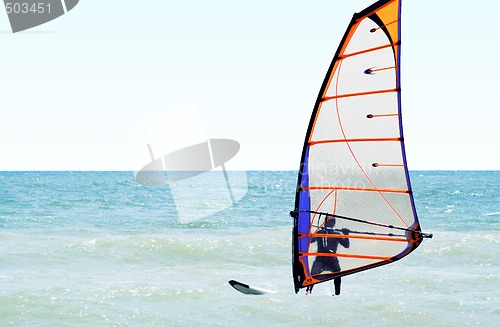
[
  {"x": 337, "y": 282},
  {"x": 315, "y": 269}
]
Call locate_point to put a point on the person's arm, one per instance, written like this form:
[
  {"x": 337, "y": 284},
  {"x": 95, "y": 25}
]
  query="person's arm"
[{"x": 344, "y": 241}]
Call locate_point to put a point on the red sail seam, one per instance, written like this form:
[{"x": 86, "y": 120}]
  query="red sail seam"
[
  {"x": 354, "y": 140},
  {"x": 336, "y": 96},
  {"x": 343, "y": 255},
  {"x": 364, "y": 237},
  {"x": 367, "y": 50},
  {"x": 345, "y": 188}
]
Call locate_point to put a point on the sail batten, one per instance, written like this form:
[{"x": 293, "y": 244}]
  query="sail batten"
[
  {"x": 363, "y": 189},
  {"x": 311, "y": 143},
  {"x": 353, "y": 170},
  {"x": 353, "y": 256},
  {"x": 364, "y": 237},
  {"x": 338, "y": 96},
  {"x": 347, "y": 55}
]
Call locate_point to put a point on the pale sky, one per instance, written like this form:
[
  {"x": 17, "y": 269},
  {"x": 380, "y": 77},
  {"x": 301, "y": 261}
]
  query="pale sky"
[{"x": 73, "y": 89}]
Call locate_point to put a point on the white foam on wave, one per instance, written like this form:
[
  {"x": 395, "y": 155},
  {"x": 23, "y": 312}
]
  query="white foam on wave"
[{"x": 492, "y": 213}]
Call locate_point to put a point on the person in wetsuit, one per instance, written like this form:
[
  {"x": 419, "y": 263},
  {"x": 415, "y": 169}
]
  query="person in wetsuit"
[{"x": 328, "y": 245}]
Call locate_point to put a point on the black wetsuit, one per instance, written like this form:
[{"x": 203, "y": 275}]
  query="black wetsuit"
[{"x": 326, "y": 263}]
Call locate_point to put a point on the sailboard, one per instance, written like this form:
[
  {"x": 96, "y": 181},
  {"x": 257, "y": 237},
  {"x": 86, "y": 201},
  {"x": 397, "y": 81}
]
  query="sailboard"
[
  {"x": 353, "y": 186},
  {"x": 249, "y": 290}
]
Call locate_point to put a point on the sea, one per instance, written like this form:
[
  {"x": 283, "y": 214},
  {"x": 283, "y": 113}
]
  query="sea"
[{"x": 98, "y": 249}]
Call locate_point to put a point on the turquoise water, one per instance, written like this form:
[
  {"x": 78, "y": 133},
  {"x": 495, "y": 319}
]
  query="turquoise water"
[{"x": 96, "y": 249}]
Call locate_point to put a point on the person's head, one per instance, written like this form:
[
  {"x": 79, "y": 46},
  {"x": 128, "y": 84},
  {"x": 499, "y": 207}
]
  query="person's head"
[{"x": 330, "y": 222}]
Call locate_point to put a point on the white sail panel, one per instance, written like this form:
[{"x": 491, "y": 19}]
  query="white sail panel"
[
  {"x": 356, "y": 70},
  {"x": 347, "y": 117},
  {"x": 336, "y": 164}
]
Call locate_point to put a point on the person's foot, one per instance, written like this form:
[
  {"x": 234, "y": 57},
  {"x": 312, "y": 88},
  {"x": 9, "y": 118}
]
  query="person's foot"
[{"x": 308, "y": 292}]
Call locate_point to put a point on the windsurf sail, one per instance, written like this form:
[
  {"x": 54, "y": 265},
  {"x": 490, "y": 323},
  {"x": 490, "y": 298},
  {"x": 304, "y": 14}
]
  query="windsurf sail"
[{"x": 353, "y": 169}]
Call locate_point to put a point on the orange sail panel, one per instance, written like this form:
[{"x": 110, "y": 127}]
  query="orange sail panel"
[{"x": 353, "y": 184}]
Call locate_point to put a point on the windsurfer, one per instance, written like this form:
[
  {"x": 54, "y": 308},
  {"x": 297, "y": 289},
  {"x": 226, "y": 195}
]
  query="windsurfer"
[{"x": 328, "y": 245}]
